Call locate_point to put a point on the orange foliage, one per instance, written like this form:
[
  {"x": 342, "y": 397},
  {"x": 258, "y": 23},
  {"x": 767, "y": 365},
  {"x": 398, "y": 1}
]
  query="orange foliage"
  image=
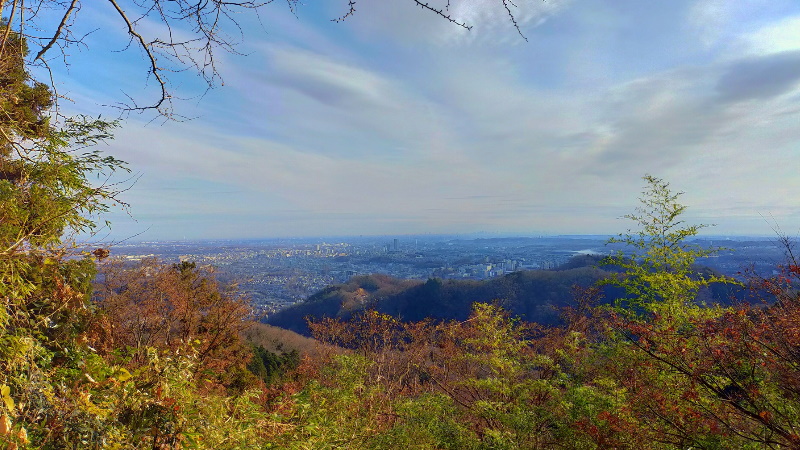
[{"x": 172, "y": 308}]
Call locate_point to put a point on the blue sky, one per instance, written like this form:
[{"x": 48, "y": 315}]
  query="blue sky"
[{"x": 397, "y": 122}]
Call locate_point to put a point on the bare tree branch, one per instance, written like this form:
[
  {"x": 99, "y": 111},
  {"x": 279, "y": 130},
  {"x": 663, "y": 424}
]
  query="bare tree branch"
[
  {"x": 443, "y": 13},
  {"x": 58, "y": 31},
  {"x": 512, "y": 18},
  {"x": 7, "y": 32},
  {"x": 352, "y": 10},
  {"x": 154, "y": 69},
  {"x": 193, "y": 31}
]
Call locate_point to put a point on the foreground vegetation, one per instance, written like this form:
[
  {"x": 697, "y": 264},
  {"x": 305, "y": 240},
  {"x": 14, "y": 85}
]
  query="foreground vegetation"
[{"x": 153, "y": 356}]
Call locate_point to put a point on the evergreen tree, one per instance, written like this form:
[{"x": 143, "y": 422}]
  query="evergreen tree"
[{"x": 45, "y": 193}]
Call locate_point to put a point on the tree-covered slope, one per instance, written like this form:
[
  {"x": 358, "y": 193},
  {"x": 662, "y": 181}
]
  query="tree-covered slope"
[{"x": 534, "y": 295}]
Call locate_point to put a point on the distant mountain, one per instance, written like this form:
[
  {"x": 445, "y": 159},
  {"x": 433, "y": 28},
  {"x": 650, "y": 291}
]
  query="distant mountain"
[
  {"x": 534, "y": 295},
  {"x": 341, "y": 300}
]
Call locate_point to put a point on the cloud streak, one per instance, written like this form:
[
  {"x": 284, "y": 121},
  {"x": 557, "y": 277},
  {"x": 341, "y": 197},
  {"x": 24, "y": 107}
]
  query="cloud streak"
[{"x": 398, "y": 122}]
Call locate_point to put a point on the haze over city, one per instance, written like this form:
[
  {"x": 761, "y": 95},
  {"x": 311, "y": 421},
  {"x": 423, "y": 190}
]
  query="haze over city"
[{"x": 395, "y": 121}]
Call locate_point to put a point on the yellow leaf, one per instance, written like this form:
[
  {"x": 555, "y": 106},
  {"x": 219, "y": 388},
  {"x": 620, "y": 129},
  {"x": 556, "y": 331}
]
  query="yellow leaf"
[
  {"x": 123, "y": 374},
  {"x": 5, "y": 392}
]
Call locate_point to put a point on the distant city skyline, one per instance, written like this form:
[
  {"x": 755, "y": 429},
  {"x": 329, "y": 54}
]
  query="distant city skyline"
[
  {"x": 406, "y": 241},
  {"x": 396, "y": 122},
  {"x": 278, "y": 272}
]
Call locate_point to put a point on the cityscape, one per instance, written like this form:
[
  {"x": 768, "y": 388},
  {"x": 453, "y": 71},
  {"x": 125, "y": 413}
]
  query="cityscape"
[{"x": 276, "y": 273}]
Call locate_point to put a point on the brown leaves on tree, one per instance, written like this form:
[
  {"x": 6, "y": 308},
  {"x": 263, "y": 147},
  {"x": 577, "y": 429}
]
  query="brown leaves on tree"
[
  {"x": 174, "y": 308},
  {"x": 724, "y": 378}
]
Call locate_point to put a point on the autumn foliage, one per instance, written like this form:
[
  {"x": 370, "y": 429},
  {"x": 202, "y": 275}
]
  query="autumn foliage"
[
  {"x": 172, "y": 307},
  {"x": 658, "y": 370},
  {"x": 151, "y": 355},
  {"x": 603, "y": 380}
]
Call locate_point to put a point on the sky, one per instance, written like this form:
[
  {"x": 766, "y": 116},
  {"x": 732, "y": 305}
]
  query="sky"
[{"x": 395, "y": 121}]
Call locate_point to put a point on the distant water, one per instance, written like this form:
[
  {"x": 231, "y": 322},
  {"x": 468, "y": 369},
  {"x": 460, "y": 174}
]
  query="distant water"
[{"x": 587, "y": 251}]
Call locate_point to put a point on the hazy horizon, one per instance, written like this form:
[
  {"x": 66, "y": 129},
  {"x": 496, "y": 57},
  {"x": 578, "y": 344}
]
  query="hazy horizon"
[{"x": 388, "y": 238}]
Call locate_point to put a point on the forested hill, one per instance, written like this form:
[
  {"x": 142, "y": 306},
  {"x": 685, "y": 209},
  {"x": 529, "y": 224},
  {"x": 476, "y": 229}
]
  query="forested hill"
[{"x": 534, "y": 295}]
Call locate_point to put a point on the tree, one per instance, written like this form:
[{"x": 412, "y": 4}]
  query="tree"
[
  {"x": 173, "y": 308},
  {"x": 195, "y": 32},
  {"x": 657, "y": 262},
  {"x": 45, "y": 171},
  {"x": 46, "y": 193},
  {"x": 699, "y": 377}
]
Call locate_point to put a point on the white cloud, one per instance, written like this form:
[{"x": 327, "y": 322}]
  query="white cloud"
[
  {"x": 711, "y": 19},
  {"x": 491, "y": 21},
  {"x": 407, "y": 24},
  {"x": 776, "y": 37},
  {"x": 492, "y": 152},
  {"x": 719, "y": 23},
  {"x": 361, "y": 133},
  {"x": 332, "y": 83}
]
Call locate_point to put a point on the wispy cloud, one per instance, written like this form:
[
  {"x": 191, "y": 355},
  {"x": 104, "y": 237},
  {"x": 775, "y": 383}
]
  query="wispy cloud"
[
  {"x": 397, "y": 121},
  {"x": 780, "y": 36},
  {"x": 760, "y": 78}
]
